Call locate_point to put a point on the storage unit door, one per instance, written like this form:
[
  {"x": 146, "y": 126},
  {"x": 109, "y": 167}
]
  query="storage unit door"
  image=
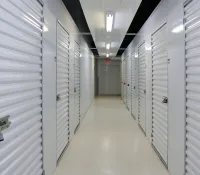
[
  {"x": 21, "y": 87},
  {"x": 63, "y": 43},
  {"x": 160, "y": 93},
  {"x": 77, "y": 84},
  {"x": 133, "y": 87},
  {"x": 192, "y": 27},
  {"x": 132, "y": 73},
  {"x": 122, "y": 81},
  {"x": 129, "y": 83},
  {"x": 142, "y": 86},
  {"x": 124, "y": 74},
  {"x": 125, "y": 82}
]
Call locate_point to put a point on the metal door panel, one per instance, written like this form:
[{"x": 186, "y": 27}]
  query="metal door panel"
[
  {"x": 128, "y": 84},
  {"x": 63, "y": 40},
  {"x": 142, "y": 86},
  {"x": 134, "y": 87},
  {"x": 21, "y": 86},
  {"x": 125, "y": 81},
  {"x": 159, "y": 92},
  {"x": 77, "y": 84},
  {"x": 192, "y": 53}
]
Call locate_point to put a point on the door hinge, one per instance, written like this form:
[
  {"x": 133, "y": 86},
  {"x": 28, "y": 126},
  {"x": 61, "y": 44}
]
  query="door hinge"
[
  {"x": 55, "y": 58},
  {"x": 168, "y": 60}
]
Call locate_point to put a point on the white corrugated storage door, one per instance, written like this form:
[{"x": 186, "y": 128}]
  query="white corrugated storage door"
[
  {"x": 124, "y": 84},
  {"x": 192, "y": 27},
  {"x": 142, "y": 86},
  {"x": 129, "y": 83},
  {"x": 134, "y": 86},
  {"x": 122, "y": 80},
  {"x": 160, "y": 93},
  {"x": 63, "y": 42},
  {"x": 77, "y": 84},
  {"x": 21, "y": 86},
  {"x": 132, "y": 74},
  {"x": 125, "y": 81},
  {"x": 121, "y": 73}
]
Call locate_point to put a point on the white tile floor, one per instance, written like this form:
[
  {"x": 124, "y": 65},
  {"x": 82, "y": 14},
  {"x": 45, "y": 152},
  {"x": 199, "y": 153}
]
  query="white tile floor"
[{"x": 109, "y": 142}]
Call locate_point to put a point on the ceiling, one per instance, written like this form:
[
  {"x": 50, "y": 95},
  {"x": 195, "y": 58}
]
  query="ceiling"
[
  {"x": 90, "y": 18},
  {"x": 144, "y": 11},
  {"x": 76, "y": 12},
  {"x": 95, "y": 13}
]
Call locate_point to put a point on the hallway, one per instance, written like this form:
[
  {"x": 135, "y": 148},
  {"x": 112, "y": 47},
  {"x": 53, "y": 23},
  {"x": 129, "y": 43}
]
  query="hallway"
[{"x": 109, "y": 142}]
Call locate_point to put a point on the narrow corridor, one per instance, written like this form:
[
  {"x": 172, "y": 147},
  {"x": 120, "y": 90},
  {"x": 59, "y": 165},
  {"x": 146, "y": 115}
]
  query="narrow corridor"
[{"x": 109, "y": 142}]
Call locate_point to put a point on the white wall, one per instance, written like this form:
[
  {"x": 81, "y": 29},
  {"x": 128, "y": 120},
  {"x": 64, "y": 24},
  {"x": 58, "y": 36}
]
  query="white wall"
[
  {"x": 49, "y": 94},
  {"x": 169, "y": 11},
  {"x": 87, "y": 79},
  {"x": 54, "y": 10},
  {"x": 109, "y": 82}
]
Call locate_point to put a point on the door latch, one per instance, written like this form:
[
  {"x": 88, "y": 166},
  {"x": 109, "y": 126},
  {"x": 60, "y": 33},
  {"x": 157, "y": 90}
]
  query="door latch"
[
  {"x": 58, "y": 97},
  {"x": 4, "y": 124},
  {"x": 165, "y": 100}
]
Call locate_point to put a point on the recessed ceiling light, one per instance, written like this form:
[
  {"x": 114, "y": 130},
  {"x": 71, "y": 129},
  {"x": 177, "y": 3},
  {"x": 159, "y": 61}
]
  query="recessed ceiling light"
[
  {"x": 109, "y": 22},
  {"x": 108, "y": 46}
]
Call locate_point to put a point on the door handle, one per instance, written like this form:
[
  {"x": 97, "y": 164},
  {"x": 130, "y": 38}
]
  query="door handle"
[
  {"x": 165, "y": 100},
  {"x": 58, "y": 97},
  {"x": 144, "y": 91},
  {"x": 4, "y": 125}
]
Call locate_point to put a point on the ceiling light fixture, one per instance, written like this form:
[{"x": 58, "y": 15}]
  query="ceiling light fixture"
[
  {"x": 107, "y": 46},
  {"x": 107, "y": 55},
  {"x": 109, "y": 22}
]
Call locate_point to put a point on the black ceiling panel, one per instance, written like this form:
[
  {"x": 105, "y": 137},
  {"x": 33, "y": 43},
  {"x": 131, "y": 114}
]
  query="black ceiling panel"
[
  {"x": 120, "y": 52},
  {"x": 144, "y": 11},
  {"x": 95, "y": 52},
  {"x": 76, "y": 11},
  {"x": 127, "y": 40}
]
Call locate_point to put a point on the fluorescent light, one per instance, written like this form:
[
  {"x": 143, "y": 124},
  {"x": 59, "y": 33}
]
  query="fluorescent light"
[
  {"x": 107, "y": 55},
  {"x": 107, "y": 46},
  {"x": 109, "y": 22},
  {"x": 178, "y": 29}
]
